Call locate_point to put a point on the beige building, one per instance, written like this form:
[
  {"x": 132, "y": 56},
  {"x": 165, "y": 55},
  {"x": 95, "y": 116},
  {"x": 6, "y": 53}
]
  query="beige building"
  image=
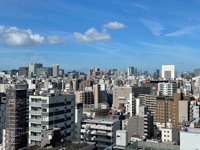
[
  {"x": 85, "y": 97},
  {"x": 184, "y": 111},
  {"x": 96, "y": 93},
  {"x": 121, "y": 95}
]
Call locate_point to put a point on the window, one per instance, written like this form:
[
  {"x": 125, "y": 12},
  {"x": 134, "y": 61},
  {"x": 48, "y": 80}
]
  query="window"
[
  {"x": 44, "y": 101},
  {"x": 44, "y": 110}
]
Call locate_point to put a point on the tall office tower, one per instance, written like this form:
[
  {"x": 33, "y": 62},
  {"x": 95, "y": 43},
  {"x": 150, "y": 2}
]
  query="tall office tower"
[
  {"x": 75, "y": 84},
  {"x": 130, "y": 71},
  {"x": 32, "y": 67},
  {"x": 96, "y": 69},
  {"x": 168, "y": 72},
  {"x": 146, "y": 74},
  {"x": 44, "y": 71},
  {"x": 55, "y": 68},
  {"x": 23, "y": 71},
  {"x": 96, "y": 93},
  {"x": 61, "y": 72},
  {"x": 51, "y": 111},
  {"x": 156, "y": 74},
  {"x": 15, "y": 127},
  {"x": 135, "y": 72},
  {"x": 167, "y": 89}
]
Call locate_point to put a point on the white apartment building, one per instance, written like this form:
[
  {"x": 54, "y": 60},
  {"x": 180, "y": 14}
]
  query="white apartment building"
[
  {"x": 169, "y": 133},
  {"x": 51, "y": 111},
  {"x": 167, "y": 89},
  {"x": 101, "y": 131},
  {"x": 130, "y": 106},
  {"x": 168, "y": 72},
  {"x": 194, "y": 110},
  {"x": 121, "y": 138}
]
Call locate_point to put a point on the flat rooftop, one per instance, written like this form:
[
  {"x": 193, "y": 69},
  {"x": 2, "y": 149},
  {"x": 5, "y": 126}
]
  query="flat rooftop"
[{"x": 101, "y": 120}]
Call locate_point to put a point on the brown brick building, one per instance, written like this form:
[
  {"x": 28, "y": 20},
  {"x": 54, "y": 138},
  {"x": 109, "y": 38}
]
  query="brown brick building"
[{"x": 167, "y": 108}]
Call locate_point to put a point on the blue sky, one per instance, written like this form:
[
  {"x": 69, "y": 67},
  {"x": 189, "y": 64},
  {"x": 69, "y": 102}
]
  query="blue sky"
[{"x": 104, "y": 33}]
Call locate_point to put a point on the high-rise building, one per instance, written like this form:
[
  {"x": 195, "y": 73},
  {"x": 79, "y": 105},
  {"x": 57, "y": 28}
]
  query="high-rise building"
[
  {"x": 15, "y": 127},
  {"x": 156, "y": 74},
  {"x": 32, "y": 67},
  {"x": 61, "y": 72},
  {"x": 44, "y": 71},
  {"x": 55, "y": 68},
  {"x": 168, "y": 72},
  {"x": 167, "y": 108},
  {"x": 48, "y": 112},
  {"x": 135, "y": 72},
  {"x": 96, "y": 93},
  {"x": 23, "y": 71},
  {"x": 130, "y": 71}
]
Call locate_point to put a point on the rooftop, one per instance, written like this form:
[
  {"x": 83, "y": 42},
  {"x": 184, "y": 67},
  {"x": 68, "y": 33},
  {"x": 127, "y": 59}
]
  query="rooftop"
[{"x": 101, "y": 120}]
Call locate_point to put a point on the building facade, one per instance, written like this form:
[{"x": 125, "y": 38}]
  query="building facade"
[
  {"x": 167, "y": 89},
  {"x": 15, "y": 127},
  {"x": 168, "y": 72},
  {"x": 100, "y": 131},
  {"x": 51, "y": 111}
]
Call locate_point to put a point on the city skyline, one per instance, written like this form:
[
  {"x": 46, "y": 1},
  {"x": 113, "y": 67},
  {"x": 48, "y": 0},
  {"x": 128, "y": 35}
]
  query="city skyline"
[{"x": 114, "y": 34}]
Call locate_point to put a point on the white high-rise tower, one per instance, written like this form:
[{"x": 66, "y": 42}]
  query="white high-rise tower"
[{"x": 168, "y": 72}]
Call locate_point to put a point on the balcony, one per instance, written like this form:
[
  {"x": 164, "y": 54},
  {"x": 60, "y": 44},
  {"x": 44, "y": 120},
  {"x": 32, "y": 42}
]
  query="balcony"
[
  {"x": 37, "y": 104},
  {"x": 36, "y": 129},
  {"x": 36, "y": 120},
  {"x": 35, "y": 112},
  {"x": 35, "y": 138},
  {"x": 101, "y": 133},
  {"x": 101, "y": 127}
]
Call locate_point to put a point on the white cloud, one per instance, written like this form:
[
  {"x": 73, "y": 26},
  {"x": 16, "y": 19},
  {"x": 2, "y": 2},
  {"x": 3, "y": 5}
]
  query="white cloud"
[
  {"x": 19, "y": 37},
  {"x": 114, "y": 25},
  {"x": 155, "y": 27},
  {"x": 55, "y": 40},
  {"x": 184, "y": 31},
  {"x": 92, "y": 35}
]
